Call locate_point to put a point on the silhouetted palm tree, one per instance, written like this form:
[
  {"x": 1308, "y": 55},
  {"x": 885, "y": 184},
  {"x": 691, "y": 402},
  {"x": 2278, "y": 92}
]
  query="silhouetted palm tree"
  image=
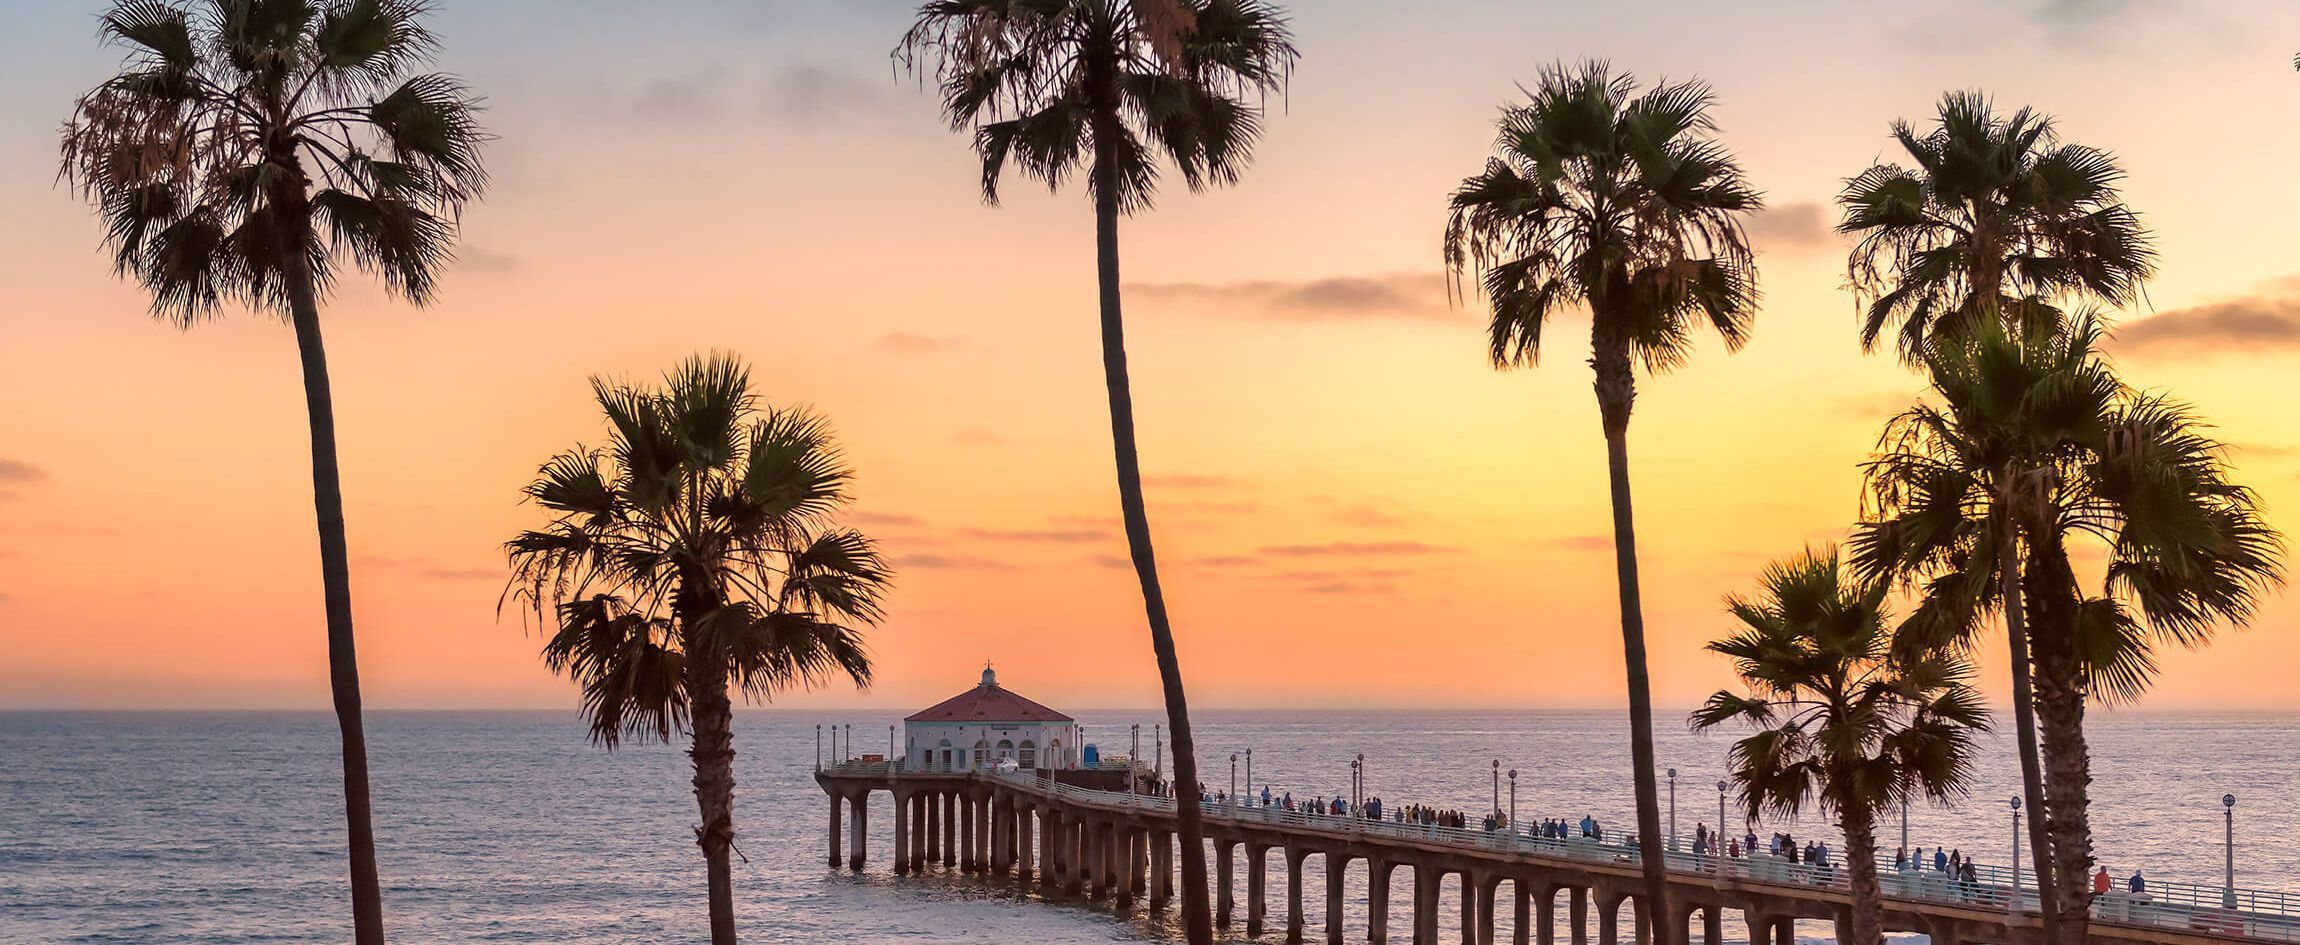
[
  {"x": 1997, "y": 211},
  {"x": 247, "y": 151},
  {"x": 1840, "y": 723},
  {"x": 1112, "y": 87},
  {"x": 698, "y": 553},
  {"x": 1623, "y": 204},
  {"x": 2035, "y": 442}
]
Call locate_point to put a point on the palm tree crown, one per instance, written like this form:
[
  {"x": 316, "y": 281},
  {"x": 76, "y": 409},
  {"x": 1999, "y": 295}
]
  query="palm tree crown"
[
  {"x": 1839, "y": 722},
  {"x": 1619, "y": 201},
  {"x": 1996, "y": 212},
  {"x": 1050, "y": 85},
  {"x": 704, "y": 532},
  {"x": 245, "y": 136},
  {"x": 2034, "y": 430}
]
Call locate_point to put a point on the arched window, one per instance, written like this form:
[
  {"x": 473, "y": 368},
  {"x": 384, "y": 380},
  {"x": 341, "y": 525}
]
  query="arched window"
[
  {"x": 981, "y": 752},
  {"x": 1028, "y": 758},
  {"x": 1005, "y": 749}
]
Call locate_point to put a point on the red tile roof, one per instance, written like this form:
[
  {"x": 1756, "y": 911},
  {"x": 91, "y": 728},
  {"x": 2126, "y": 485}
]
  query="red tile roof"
[{"x": 987, "y": 703}]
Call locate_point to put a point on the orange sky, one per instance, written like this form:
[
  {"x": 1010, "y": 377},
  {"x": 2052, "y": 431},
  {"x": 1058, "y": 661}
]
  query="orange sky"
[{"x": 1352, "y": 508}]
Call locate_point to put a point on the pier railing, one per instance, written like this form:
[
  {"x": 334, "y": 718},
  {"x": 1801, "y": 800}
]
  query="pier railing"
[{"x": 2247, "y": 913}]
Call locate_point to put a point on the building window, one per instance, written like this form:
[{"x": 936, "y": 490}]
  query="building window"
[
  {"x": 1028, "y": 757},
  {"x": 1005, "y": 749},
  {"x": 945, "y": 762},
  {"x": 1054, "y": 756},
  {"x": 981, "y": 753}
]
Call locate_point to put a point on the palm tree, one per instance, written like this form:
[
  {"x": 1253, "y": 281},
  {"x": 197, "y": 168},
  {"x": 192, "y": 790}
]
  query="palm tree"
[
  {"x": 1052, "y": 87},
  {"x": 1624, "y": 204},
  {"x": 2035, "y": 443},
  {"x": 1996, "y": 211},
  {"x": 1998, "y": 222},
  {"x": 1839, "y": 723},
  {"x": 698, "y": 553},
  {"x": 246, "y": 153}
]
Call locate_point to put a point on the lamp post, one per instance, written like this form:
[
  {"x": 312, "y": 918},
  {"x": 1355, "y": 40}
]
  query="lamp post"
[
  {"x": 1904, "y": 827},
  {"x": 1721, "y": 785},
  {"x": 1358, "y": 770},
  {"x": 818, "y": 746},
  {"x": 1673, "y": 809},
  {"x": 850, "y": 743},
  {"x": 2228, "y": 892},
  {"x": 1133, "y": 754},
  {"x": 1357, "y": 790},
  {"x": 1513, "y": 803},
  {"x": 890, "y": 745},
  {"x": 1233, "y": 779},
  {"x": 1497, "y": 787},
  {"x": 1249, "y": 771},
  {"x": 1158, "y": 749},
  {"x": 2013, "y": 900}
]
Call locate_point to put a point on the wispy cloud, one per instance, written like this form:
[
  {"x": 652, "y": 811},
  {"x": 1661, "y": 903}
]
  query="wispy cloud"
[
  {"x": 940, "y": 562},
  {"x": 685, "y": 97},
  {"x": 1583, "y": 543},
  {"x": 1406, "y": 296},
  {"x": 427, "y": 569},
  {"x": 1358, "y": 549},
  {"x": 1113, "y": 562},
  {"x": 884, "y": 519},
  {"x": 1228, "y": 561},
  {"x": 1797, "y": 227},
  {"x": 903, "y": 342},
  {"x": 977, "y": 436},
  {"x": 1349, "y": 587},
  {"x": 1194, "y": 481},
  {"x": 461, "y": 574},
  {"x": 16, "y": 470},
  {"x": 813, "y": 93},
  {"x": 2264, "y": 322},
  {"x": 1873, "y": 406},
  {"x": 1057, "y": 536}
]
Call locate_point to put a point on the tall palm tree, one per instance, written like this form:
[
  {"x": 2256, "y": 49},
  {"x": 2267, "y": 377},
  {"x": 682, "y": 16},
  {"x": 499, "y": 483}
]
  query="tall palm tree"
[
  {"x": 2036, "y": 443},
  {"x": 246, "y": 153},
  {"x": 697, "y": 554},
  {"x": 1996, "y": 210},
  {"x": 1115, "y": 88},
  {"x": 1839, "y": 723},
  {"x": 1997, "y": 222},
  {"x": 1624, "y": 204}
]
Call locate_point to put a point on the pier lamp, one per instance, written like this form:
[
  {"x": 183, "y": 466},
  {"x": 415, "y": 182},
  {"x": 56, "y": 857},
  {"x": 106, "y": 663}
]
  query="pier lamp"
[
  {"x": 1357, "y": 790},
  {"x": 1721, "y": 786},
  {"x": 818, "y": 746},
  {"x": 2013, "y": 900},
  {"x": 1513, "y": 803},
  {"x": 1673, "y": 810},
  {"x": 1358, "y": 770},
  {"x": 1497, "y": 787},
  {"x": 890, "y": 745},
  {"x": 1249, "y": 771},
  {"x": 850, "y": 743},
  {"x": 1233, "y": 779},
  {"x": 2228, "y": 892}
]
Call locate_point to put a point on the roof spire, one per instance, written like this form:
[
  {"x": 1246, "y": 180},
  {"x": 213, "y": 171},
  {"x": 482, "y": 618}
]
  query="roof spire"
[{"x": 989, "y": 676}]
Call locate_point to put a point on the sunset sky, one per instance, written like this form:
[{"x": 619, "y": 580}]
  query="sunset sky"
[{"x": 1351, "y": 506}]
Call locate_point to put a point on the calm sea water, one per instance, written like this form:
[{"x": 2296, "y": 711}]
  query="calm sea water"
[{"x": 220, "y": 828}]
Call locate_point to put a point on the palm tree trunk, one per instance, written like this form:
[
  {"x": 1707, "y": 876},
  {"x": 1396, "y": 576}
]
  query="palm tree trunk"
[
  {"x": 714, "y": 757},
  {"x": 335, "y": 577},
  {"x": 1616, "y": 391},
  {"x": 1860, "y": 825},
  {"x": 2024, "y": 725},
  {"x": 2052, "y": 598},
  {"x": 1197, "y": 916}
]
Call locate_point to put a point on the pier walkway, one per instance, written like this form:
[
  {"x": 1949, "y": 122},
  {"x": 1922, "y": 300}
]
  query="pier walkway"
[{"x": 1107, "y": 845}]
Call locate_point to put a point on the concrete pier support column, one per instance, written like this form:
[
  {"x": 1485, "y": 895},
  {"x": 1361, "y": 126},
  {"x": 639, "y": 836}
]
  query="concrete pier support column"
[
  {"x": 1545, "y": 916},
  {"x": 1426, "y": 878},
  {"x": 1760, "y": 926},
  {"x": 949, "y": 829},
  {"x": 1161, "y": 868},
  {"x": 1785, "y": 931},
  {"x": 1074, "y": 867},
  {"x": 970, "y": 821},
  {"x": 1378, "y": 902},
  {"x": 1049, "y": 858},
  {"x": 1609, "y": 920},
  {"x": 1257, "y": 872},
  {"x": 1577, "y": 913},
  {"x": 982, "y": 833},
  {"x": 1844, "y": 925},
  {"x": 902, "y": 834},
  {"x": 858, "y": 831},
  {"x": 929, "y": 829},
  {"x": 1641, "y": 922},
  {"x": 1520, "y": 913},
  {"x": 1487, "y": 888},
  {"x": 1097, "y": 860},
  {"x": 1294, "y": 917},
  {"x": 1025, "y": 819},
  {"x": 1337, "y": 866},
  {"x": 1129, "y": 882},
  {"x": 834, "y": 832},
  {"x": 1224, "y": 899},
  {"x": 1944, "y": 932},
  {"x": 1713, "y": 925},
  {"x": 1469, "y": 908}
]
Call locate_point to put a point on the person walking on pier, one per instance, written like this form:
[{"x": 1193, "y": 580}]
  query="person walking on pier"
[
  {"x": 2136, "y": 885},
  {"x": 1940, "y": 861}
]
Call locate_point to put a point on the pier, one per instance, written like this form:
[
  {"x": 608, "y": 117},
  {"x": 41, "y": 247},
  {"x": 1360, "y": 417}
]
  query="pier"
[{"x": 1119, "y": 848}]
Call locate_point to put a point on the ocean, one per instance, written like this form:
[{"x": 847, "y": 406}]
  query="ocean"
[{"x": 226, "y": 827}]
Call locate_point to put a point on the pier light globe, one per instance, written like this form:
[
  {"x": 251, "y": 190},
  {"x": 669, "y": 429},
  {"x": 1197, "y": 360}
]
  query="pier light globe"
[
  {"x": 2228, "y": 800},
  {"x": 2016, "y": 802}
]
